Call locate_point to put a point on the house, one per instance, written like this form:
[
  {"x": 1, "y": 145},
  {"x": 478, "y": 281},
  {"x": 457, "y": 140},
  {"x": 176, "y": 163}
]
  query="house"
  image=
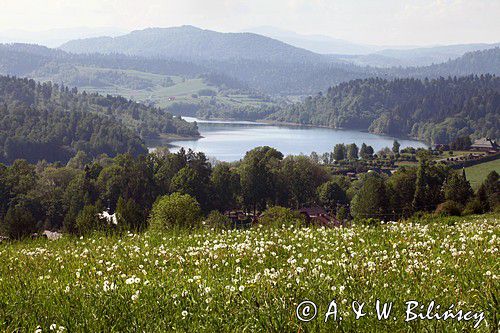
[
  {"x": 318, "y": 216},
  {"x": 110, "y": 218},
  {"x": 484, "y": 144},
  {"x": 239, "y": 219}
]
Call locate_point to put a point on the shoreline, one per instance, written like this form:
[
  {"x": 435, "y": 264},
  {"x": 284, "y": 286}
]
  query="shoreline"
[{"x": 291, "y": 124}]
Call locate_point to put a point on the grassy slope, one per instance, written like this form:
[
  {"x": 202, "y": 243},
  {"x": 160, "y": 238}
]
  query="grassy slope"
[
  {"x": 477, "y": 174},
  {"x": 251, "y": 280},
  {"x": 182, "y": 90}
]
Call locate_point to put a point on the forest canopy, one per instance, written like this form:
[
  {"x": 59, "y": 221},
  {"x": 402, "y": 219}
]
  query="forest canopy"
[
  {"x": 52, "y": 122},
  {"x": 438, "y": 110}
]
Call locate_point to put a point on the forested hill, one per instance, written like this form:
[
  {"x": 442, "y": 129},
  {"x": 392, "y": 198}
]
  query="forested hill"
[
  {"x": 437, "y": 110},
  {"x": 477, "y": 62},
  {"x": 280, "y": 76},
  {"x": 188, "y": 42},
  {"x": 51, "y": 122}
]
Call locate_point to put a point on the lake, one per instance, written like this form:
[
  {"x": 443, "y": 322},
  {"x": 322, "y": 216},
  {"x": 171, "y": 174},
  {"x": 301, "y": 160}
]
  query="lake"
[{"x": 230, "y": 140}]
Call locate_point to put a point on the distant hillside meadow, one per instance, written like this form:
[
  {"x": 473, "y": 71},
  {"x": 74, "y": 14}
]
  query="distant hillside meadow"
[{"x": 259, "y": 280}]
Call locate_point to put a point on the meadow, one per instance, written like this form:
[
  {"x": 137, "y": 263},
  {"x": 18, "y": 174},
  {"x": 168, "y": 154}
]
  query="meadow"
[
  {"x": 157, "y": 92},
  {"x": 252, "y": 280},
  {"x": 477, "y": 174}
]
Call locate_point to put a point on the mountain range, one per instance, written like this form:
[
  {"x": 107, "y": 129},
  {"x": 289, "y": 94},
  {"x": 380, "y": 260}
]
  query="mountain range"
[
  {"x": 261, "y": 63},
  {"x": 372, "y": 55},
  {"x": 265, "y": 44},
  {"x": 191, "y": 43},
  {"x": 56, "y": 37}
]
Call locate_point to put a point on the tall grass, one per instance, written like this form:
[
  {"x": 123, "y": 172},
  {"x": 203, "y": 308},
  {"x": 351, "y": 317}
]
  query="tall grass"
[{"x": 251, "y": 280}]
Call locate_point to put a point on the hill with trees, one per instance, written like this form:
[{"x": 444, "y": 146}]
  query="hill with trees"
[
  {"x": 279, "y": 74},
  {"x": 477, "y": 62},
  {"x": 188, "y": 42},
  {"x": 52, "y": 122},
  {"x": 437, "y": 110}
]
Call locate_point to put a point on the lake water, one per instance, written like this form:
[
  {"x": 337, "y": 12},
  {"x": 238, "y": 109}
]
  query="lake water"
[{"x": 230, "y": 140}]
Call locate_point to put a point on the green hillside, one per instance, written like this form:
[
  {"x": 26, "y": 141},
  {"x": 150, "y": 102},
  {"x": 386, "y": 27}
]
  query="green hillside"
[{"x": 477, "y": 174}]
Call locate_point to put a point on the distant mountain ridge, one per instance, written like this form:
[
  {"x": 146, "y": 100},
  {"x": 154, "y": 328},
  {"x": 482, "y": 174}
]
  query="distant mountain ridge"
[
  {"x": 315, "y": 43},
  {"x": 56, "y": 37},
  {"x": 372, "y": 55},
  {"x": 281, "y": 78},
  {"x": 191, "y": 43}
]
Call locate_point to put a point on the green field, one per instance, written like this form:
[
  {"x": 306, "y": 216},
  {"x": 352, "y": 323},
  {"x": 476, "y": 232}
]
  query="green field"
[
  {"x": 253, "y": 280},
  {"x": 157, "y": 93},
  {"x": 477, "y": 174}
]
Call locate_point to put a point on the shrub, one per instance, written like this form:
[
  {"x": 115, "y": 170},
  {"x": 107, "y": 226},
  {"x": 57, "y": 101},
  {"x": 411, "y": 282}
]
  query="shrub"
[
  {"x": 175, "y": 210},
  {"x": 449, "y": 208},
  {"x": 474, "y": 206},
  {"x": 88, "y": 220},
  {"x": 277, "y": 216},
  {"x": 217, "y": 220}
]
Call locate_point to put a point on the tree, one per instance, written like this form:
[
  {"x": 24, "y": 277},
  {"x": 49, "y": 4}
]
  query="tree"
[
  {"x": 371, "y": 200},
  {"x": 302, "y": 177},
  {"x": 79, "y": 160},
  {"x": 457, "y": 189},
  {"x": 352, "y": 151},
  {"x": 130, "y": 216},
  {"x": 401, "y": 191},
  {"x": 259, "y": 177},
  {"x": 226, "y": 186},
  {"x": 81, "y": 191},
  {"x": 395, "y": 147},
  {"x": 19, "y": 222},
  {"x": 175, "y": 211},
  {"x": 331, "y": 195},
  {"x": 88, "y": 220},
  {"x": 314, "y": 157},
  {"x": 461, "y": 143},
  {"x": 428, "y": 187},
  {"x": 189, "y": 181},
  {"x": 489, "y": 191},
  {"x": 339, "y": 152},
  {"x": 366, "y": 152}
]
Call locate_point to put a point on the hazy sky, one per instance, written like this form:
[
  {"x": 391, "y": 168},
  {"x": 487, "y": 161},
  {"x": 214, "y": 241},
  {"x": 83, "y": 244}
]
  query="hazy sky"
[{"x": 386, "y": 22}]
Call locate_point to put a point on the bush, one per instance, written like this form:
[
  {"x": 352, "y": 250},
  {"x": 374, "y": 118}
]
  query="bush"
[
  {"x": 449, "y": 208},
  {"x": 217, "y": 220},
  {"x": 371, "y": 222},
  {"x": 88, "y": 220},
  {"x": 474, "y": 206},
  {"x": 277, "y": 216},
  {"x": 175, "y": 210}
]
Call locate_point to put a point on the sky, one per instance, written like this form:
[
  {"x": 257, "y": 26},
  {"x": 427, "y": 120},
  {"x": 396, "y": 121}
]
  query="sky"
[{"x": 377, "y": 22}]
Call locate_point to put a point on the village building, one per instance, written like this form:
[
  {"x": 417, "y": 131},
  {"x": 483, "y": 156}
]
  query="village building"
[
  {"x": 319, "y": 216},
  {"x": 485, "y": 144}
]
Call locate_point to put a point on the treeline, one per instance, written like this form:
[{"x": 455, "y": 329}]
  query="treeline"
[
  {"x": 477, "y": 62},
  {"x": 52, "y": 122},
  {"x": 437, "y": 110},
  {"x": 214, "y": 109},
  {"x": 185, "y": 185},
  {"x": 22, "y": 59}
]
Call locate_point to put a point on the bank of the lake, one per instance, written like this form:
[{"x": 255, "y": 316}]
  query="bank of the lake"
[{"x": 230, "y": 140}]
